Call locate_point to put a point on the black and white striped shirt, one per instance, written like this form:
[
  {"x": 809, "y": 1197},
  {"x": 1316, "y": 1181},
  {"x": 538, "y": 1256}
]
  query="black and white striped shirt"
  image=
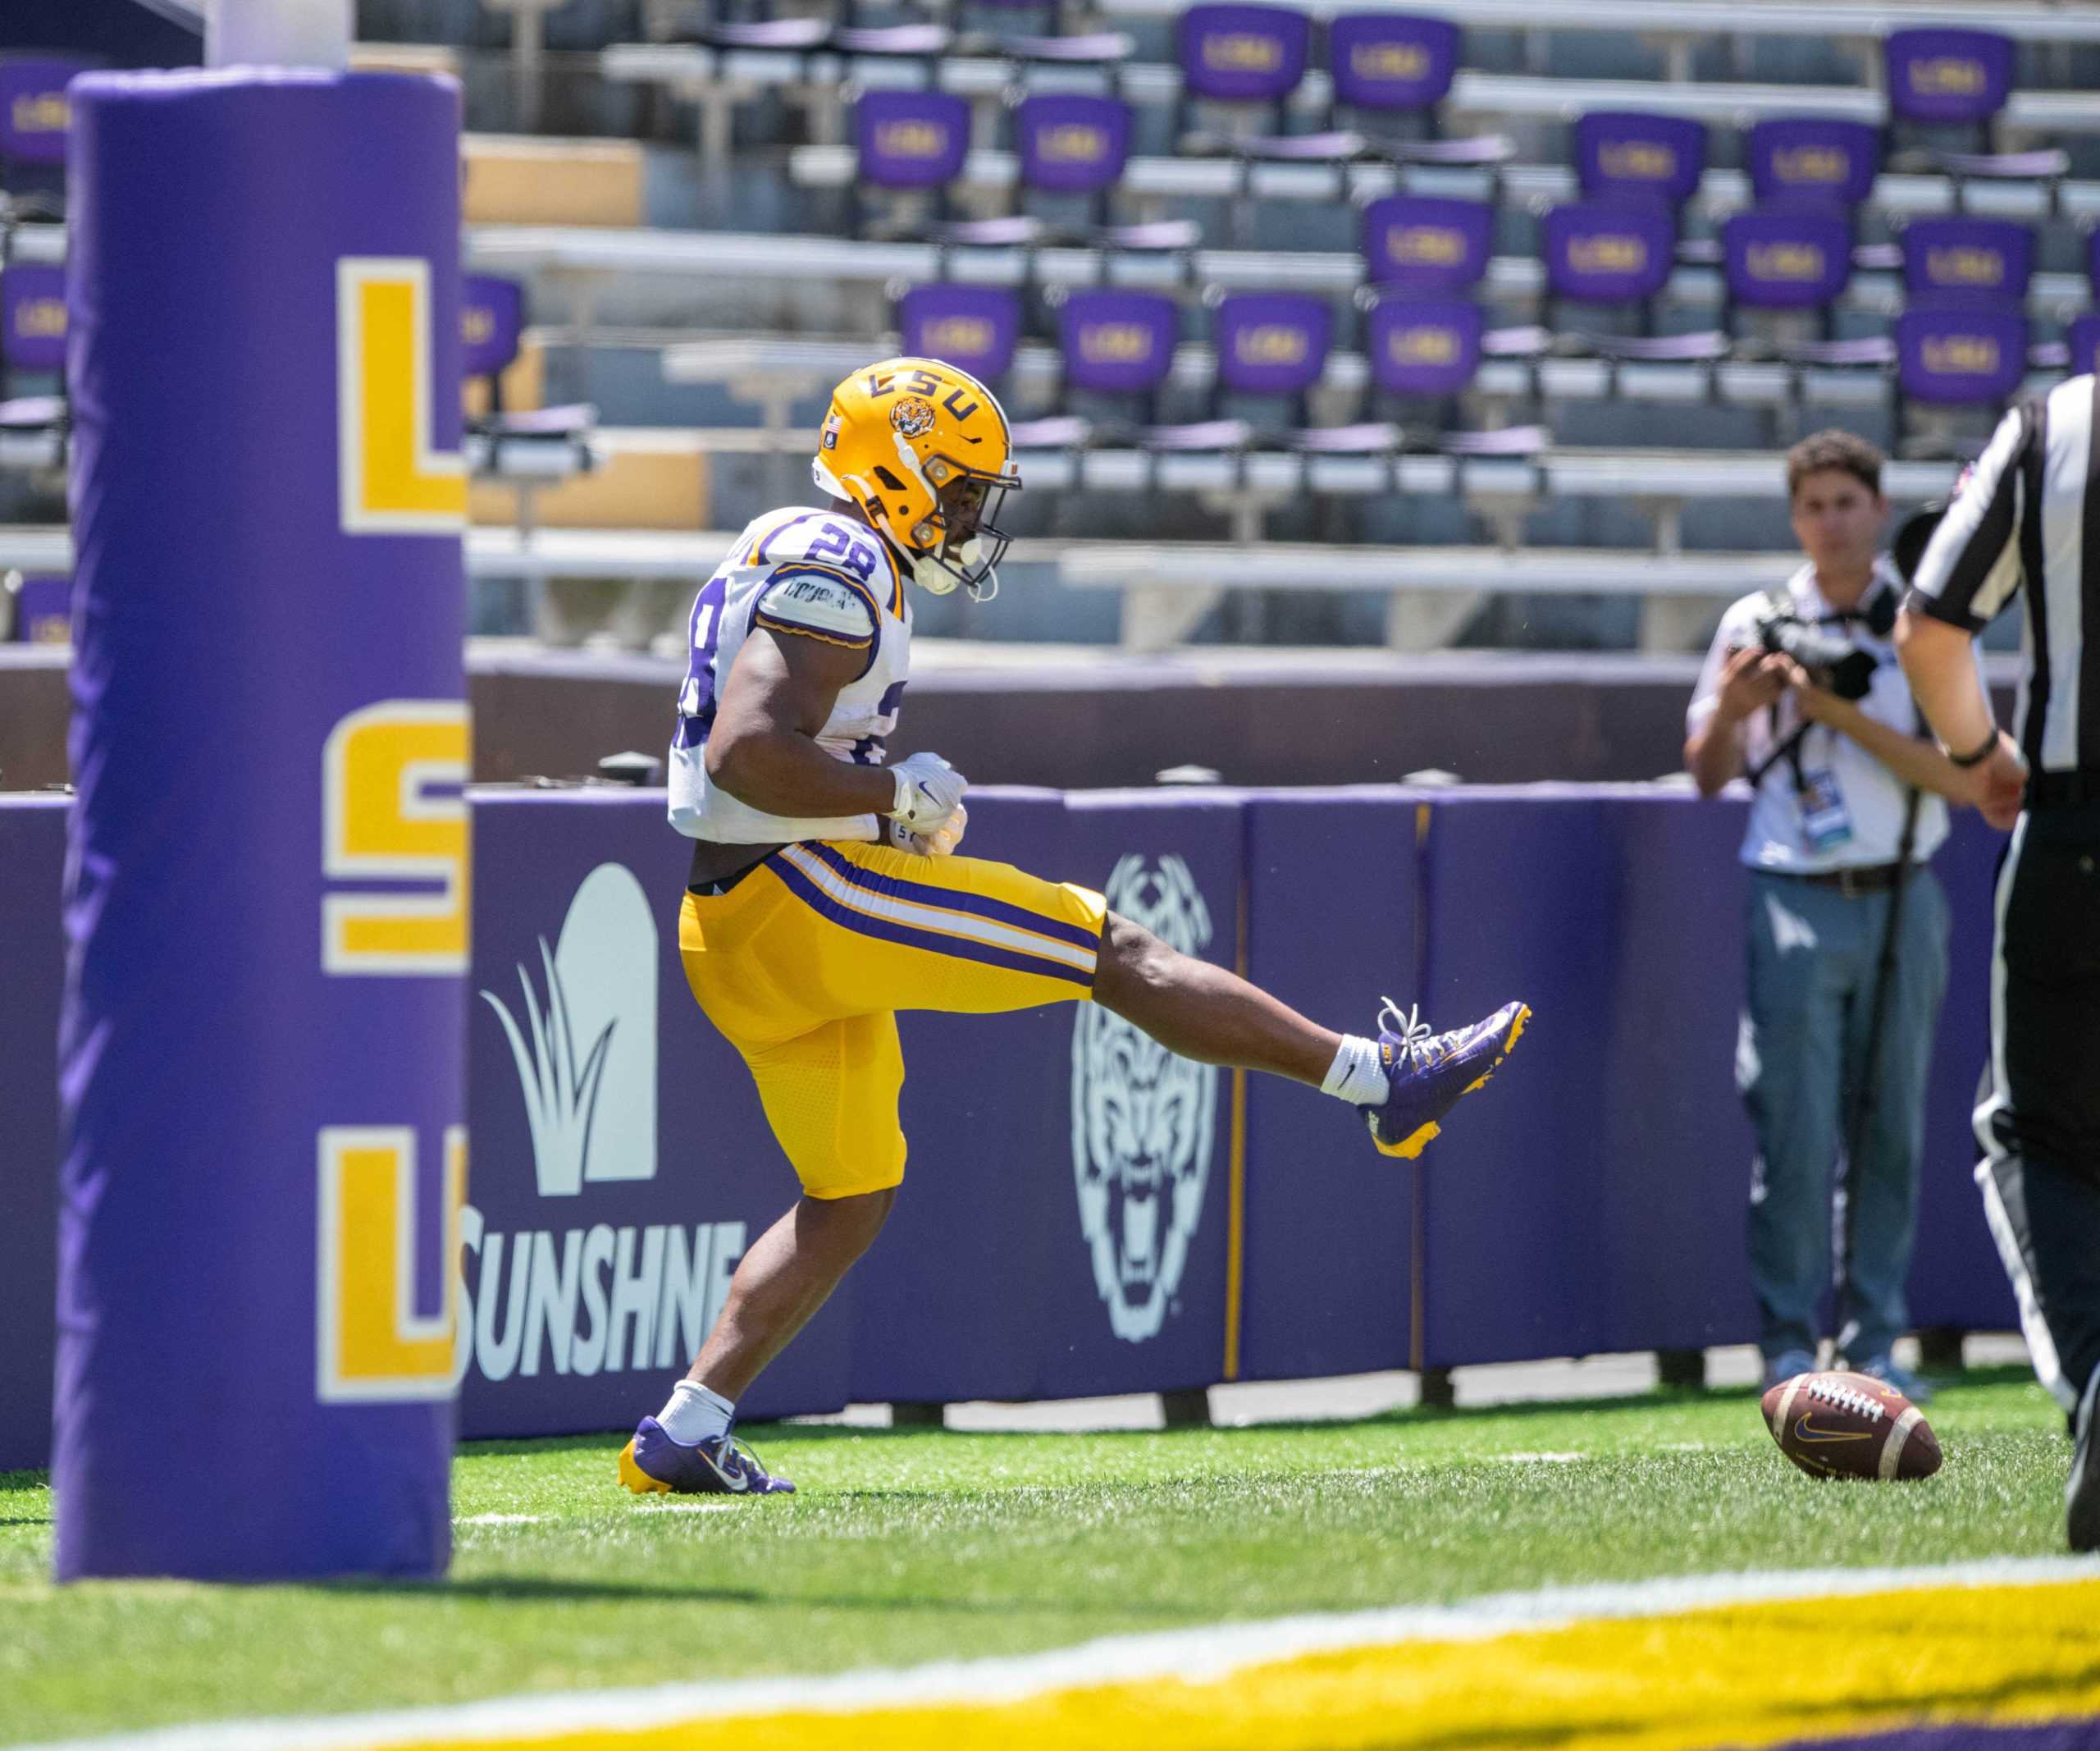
[{"x": 2022, "y": 519}]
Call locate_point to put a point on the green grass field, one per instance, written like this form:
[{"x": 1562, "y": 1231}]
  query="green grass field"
[{"x": 915, "y": 1545}]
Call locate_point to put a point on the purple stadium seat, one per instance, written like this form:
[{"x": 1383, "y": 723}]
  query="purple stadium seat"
[
  {"x": 492, "y": 319},
  {"x": 1245, "y": 56},
  {"x": 1814, "y": 160},
  {"x": 1075, "y": 142},
  {"x": 1630, "y": 155},
  {"x": 1424, "y": 347},
  {"x": 43, "y": 610},
  {"x": 1607, "y": 252},
  {"x": 1393, "y": 68},
  {"x": 1627, "y": 153},
  {"x": 1418, "y": 349},
  {"x": 1940, "y": 79},
  {"x": 909, "y": 141},
  {"x": 975, "y": 328},
  {"x": 492, "y": 323},
  {"x": 1072, "y": 143},
  {"x": 2083, "y": 345},
  {"x": 1242, "y": 54},
  {"x": 1960, "y": 353},
  {"x": 1947, "y": 78},
  {"x": 1390, "y": 63},
  {"x": 1797, "y": 257},
  {"x": 1988, "y": 259},
  {"x": 1617, "y": 253},
  {"x": 33, "y": 317},
  {"x": 33, "y": 109},
  {"x": 1120, "y": 344},
  {"x": 1786, "y": 258},
  {"x": 1269, "y": 344},
  {"x": 33, "y": 340},
  {"x": 1427, "y": 243},
  {"x": 1115, "y": 344}
]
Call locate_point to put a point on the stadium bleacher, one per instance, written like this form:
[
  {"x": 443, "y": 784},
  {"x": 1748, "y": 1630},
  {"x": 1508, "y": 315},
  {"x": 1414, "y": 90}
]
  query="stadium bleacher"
[{"x": 1400, "y": 276}]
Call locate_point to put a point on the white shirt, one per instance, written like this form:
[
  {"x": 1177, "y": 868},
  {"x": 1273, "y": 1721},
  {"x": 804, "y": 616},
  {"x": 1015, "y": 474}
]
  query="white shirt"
[
  {"x": 814, "y": 574},
  {"x": 1870, "y": 797}
]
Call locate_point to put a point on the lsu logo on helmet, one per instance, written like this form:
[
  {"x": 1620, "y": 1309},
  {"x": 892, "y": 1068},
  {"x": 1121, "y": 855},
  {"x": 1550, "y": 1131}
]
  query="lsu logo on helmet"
[{"x": 924, "y": 449}]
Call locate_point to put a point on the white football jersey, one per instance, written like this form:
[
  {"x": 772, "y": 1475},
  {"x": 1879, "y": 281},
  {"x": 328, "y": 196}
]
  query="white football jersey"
[{"x": 819, "y": 575}]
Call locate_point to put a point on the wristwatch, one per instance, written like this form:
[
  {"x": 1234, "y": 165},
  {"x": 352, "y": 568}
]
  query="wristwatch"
[{"x": 1981, "y": 755}]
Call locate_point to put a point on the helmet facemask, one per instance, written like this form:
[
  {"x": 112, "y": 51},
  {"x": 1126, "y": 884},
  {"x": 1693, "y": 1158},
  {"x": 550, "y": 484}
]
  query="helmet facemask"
[{"x": 958, "y": 542}]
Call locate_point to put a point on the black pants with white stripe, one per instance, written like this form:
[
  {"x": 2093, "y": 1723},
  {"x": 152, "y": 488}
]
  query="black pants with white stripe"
[{"x": 2039, "y": 1121}]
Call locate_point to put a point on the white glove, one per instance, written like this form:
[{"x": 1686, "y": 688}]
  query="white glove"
[
  {"x": 929, "y": 791},
  {"x": 940, "y": 844}
]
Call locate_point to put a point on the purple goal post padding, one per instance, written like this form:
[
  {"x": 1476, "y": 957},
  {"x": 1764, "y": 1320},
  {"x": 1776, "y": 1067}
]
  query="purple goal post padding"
[{"x": 263, "y": 1036}]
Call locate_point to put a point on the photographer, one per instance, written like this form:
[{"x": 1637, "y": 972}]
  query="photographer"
[{"x": 1801, "y": 693}]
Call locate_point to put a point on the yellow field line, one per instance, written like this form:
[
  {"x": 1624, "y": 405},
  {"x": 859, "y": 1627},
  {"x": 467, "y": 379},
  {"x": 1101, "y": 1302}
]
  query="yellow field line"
[
  {"x": 1671, "y": 1663},
  {"x": 1754, "y": 1675}
]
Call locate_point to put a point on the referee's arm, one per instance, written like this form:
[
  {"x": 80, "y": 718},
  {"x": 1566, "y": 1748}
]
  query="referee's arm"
[{"x": 1970, "y": 570}]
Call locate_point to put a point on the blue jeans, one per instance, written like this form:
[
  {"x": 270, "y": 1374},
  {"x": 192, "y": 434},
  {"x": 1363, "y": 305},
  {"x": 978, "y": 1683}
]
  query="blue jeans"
[{"x": 1800, "y": 1064}]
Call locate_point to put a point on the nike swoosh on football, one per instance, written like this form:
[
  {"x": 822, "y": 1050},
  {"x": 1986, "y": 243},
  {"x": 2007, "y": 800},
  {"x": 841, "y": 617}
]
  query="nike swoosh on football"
[{"x": 1805, "y": 1430}]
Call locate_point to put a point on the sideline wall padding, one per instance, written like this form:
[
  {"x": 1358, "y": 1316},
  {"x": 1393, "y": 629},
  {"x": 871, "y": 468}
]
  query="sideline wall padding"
[
  {"x": 1592, "y": 1199},
  {"x": 1334, "y": 881}
]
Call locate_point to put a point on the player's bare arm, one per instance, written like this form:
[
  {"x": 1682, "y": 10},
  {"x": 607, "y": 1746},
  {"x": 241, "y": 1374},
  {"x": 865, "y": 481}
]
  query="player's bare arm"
[{"x": 764, "y": 750}]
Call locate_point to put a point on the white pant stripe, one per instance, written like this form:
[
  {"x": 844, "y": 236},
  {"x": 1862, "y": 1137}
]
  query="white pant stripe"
[{"x": 2041, "y": 1345}]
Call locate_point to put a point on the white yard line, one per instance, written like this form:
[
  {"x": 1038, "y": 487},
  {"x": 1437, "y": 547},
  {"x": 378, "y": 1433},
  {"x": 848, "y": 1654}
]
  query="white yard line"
[
  {"x": 499, "y": 1520},
  {"x": 1204, "y": 1654}
]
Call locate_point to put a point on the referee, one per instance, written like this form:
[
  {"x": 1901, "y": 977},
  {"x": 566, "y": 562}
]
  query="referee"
[{"x": 2026, "y": 518}]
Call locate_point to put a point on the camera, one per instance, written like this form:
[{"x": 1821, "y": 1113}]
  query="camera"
[{"x": 1834, "y": 662}]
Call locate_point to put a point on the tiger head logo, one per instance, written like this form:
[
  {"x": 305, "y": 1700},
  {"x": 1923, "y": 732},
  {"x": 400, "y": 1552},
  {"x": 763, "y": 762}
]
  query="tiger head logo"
[
  {"x": 913, "y": 416},
  {"x": 1142, "y": 1121}
]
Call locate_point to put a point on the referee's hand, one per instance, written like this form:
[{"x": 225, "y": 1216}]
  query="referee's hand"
[{"x": 1998, "y": 785}]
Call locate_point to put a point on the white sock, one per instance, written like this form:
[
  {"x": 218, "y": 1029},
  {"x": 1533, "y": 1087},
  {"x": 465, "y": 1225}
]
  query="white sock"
[
  {"x": 694, "y": 1414},
  {"x": 1356, "y": 1075}
]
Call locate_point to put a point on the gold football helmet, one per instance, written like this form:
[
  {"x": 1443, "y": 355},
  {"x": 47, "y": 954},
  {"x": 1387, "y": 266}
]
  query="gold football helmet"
[{"x": 923, "y": 449}]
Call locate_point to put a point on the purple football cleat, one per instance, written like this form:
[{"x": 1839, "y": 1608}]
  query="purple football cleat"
[
  {"x": 1429, "y": 1071},
  {"x": 653, "y": 1464}
]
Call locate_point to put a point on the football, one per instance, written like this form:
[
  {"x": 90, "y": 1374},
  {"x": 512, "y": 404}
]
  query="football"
[{"x": 1844, "y": 1426}]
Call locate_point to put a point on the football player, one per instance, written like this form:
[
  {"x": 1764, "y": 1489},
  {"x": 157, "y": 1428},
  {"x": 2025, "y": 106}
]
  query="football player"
[{"x": 824, "y": 894}]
